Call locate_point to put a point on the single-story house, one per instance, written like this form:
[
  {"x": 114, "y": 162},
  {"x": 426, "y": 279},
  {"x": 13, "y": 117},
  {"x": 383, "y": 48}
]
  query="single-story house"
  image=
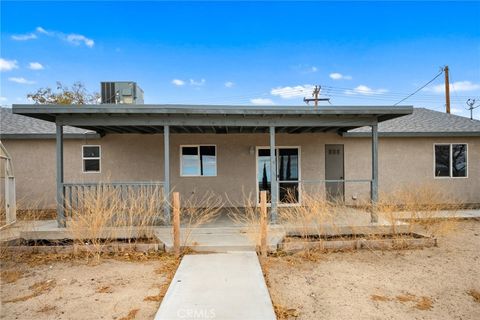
[{"x": 345, "y": 152}]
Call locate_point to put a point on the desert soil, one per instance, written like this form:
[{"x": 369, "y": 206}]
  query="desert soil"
[
  {"x": 430, "y": 283},
  {"x": 75, "y": 289}
]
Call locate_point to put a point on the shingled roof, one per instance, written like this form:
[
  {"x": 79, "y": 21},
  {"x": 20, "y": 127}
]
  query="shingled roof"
[
  {"x": 17, "y": 126},
  {"x": 425, "y": 123},
  {"x": 422, "y": 122}
]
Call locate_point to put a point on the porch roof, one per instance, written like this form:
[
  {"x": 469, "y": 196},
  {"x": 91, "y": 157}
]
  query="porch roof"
[{"x": 108, "y": 118}]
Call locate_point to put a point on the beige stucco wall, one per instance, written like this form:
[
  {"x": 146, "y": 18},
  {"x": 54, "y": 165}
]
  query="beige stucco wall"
[{"x": 402, "y": 161}]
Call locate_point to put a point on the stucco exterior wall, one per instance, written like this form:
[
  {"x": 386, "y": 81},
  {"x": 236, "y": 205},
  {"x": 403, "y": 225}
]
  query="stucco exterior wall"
[{"x": 402, "y": 162}]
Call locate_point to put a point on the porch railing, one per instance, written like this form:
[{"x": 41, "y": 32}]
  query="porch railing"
[
  {"x": 352, "y": 189},
  {"x": 140, "y": 194}
]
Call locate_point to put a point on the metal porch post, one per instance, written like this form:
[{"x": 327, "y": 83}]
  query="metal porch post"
[
  {"x": 273, "y": 177},
  {"x": 166, "y": 172},
  {"x": 374, "y": 183},
  {"x": 60, "y": 201}
]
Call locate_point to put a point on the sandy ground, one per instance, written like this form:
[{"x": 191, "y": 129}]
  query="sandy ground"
[
  {"x": 383, "y": 284},
  {"x": 80, "y": 290}
]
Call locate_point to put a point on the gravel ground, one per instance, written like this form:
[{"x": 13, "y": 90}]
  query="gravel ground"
[
  {"x": 430, "y": 283},
  {"x": 112, "y": 289}
]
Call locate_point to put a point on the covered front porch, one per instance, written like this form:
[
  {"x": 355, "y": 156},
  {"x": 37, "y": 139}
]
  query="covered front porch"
[{"x": 180, "y": 120}]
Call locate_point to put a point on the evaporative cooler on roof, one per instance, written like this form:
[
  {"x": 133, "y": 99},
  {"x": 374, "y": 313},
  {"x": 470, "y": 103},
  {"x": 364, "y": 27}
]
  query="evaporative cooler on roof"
[{"x": 121, "y": 92}]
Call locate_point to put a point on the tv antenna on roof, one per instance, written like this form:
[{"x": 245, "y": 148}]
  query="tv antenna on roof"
[
  {"x": 471, "y": 105},
  {"x": 315, "y": 94}
]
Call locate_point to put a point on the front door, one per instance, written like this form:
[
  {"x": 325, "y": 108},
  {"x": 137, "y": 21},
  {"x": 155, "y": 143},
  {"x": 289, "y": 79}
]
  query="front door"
[
  {"x": 288, "y": 174},
  {"x": 334, "y": 171}
]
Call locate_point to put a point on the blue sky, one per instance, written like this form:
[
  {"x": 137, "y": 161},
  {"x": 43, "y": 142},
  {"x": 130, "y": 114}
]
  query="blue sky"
[{"x": 246, "y": 53}]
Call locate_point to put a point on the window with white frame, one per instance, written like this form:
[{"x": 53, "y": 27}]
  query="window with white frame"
[
  {"x": 198, "y": 160},
  {"x": 451, "y": 160},
  {"x": 91, "y": 158}
]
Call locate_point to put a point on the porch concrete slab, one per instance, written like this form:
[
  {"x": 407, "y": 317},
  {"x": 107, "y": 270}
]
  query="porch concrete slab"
[
  {"x": 441, "y": 214},
  {"x": 218, "y": 239},
  {"x": 218, "y": 286}
]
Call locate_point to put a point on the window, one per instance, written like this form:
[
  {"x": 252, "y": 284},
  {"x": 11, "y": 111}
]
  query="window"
[
  {"x": 91, "y": 158},
  {"x": 198, "y": 161},
  {"x": 451, "y": 160}
]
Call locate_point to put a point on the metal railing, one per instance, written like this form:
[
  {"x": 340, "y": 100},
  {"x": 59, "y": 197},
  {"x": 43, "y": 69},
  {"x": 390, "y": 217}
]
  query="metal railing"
[{"x": 79, "y": 194}]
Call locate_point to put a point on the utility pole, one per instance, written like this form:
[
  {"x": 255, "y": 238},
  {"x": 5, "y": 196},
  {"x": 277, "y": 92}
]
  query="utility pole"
[
  {"x": 315, "y": 94},
  {"x": 447, "y": 90},
  {"x": 471, "y": 106}
]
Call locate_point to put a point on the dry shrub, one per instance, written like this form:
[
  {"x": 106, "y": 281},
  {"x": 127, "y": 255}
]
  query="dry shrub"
[
  {"x": 196, "y": 211},
  {"x": 38, "y": 288},
  {"x": 131, "y": 315},
  {"x": 248, "y": 216},
  {"x": 419, "y": 206},
  {"x": 10, "y": 276},
  {"x": 105, "y": 213},
  {"x": 315, "y": 216},
  {"x": 475, "y": 295}
]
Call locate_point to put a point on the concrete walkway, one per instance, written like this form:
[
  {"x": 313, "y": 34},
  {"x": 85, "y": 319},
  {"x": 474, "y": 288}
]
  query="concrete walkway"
[{"x": 218, "y": 286}]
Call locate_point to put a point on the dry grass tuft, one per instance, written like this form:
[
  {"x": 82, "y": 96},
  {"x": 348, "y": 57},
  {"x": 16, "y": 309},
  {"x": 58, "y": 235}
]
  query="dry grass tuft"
[
  {"x": 132, "y": 314},
  {"x": 10, "y": 276},
  {"x": 104, "y": 289},
  {"x": 475, "y": 295},
  {"x": 425, "y": 303},
  {"x": 376, "y": 297},
  {"x": 284, "y": 313},
  {"x": 46, "y": 309},
  {"x": 406, "y": 298},
  {"x": 38, "y": 288},
  {"x": 167, "y": 269},
  {"x": 247, "y": 216}
]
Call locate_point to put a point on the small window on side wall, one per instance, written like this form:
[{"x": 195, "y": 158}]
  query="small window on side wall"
[
  {"x": 451, "y": 160},
  {"x": 91, "y": 158}
]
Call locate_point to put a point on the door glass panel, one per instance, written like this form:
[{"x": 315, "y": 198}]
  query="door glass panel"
[
  {"x": 263, "y": 172},
  {"x": 287, "y": 171}
]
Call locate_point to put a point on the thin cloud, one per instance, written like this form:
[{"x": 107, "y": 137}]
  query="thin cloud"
[
  {"x": 24, "y": 37},
  {"x": 339, "y": 76},
  {"x": 20, "y": 80},
  {"x": 229, "y": 84},
  {"x": 457, "y": 86},
  {"x": 3, "y": 99},
  {"x": 262, "y": 101},
  {"x": 73, "y": 38},
  {"x": 197, "y": 83},
  {"x": 292, "y": 92},
  {"x": 7, "y": 65},
  {"x": 35, "y": 66},
  {"x": 178, "y": 82},
  {"x": 78, "y": 39},
  {"x": 305, "y": 68},
  {"x": 364, "y": 90}
]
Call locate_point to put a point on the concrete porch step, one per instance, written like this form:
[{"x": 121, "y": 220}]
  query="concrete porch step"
[{"x": 218, "y": 239}]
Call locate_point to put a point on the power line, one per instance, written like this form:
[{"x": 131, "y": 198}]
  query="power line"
[{"x": 426, "y": 84}]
